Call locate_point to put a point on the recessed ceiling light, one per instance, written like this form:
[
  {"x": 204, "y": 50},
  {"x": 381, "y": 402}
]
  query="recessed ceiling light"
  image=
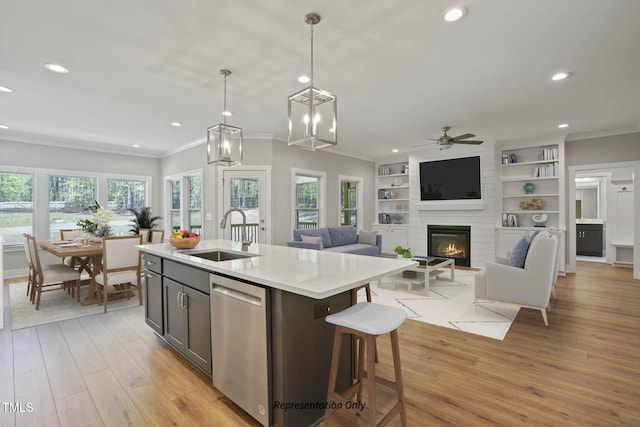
[
  {"x": 4, "y": 127},
  {"x": 227, "y": 113},
  {"x": 136, "y": 145},
  {"x": 5, "y": 89},
  {"x": 454, "y": 14},
  {"x": 563, "y": 125},
  {"x": 304, "y": 79},
  {"x": 560, "y": 76},
  {"x": 395, "y": 150},
  {"x": 56, "y": 68},
  {"x": 176, "y": 124}
]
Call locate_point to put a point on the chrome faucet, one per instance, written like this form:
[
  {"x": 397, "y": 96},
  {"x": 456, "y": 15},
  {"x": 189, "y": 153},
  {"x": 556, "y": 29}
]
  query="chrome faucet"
[{"x": 245, "y": 242}]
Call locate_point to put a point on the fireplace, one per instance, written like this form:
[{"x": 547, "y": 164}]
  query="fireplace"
[{"x": 450, "y": 241}]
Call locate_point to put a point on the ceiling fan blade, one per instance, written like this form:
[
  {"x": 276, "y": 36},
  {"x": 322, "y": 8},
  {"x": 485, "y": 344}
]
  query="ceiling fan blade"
[
  {"x": 465, "y": 136},
  {"x": 468, "y": 142}
]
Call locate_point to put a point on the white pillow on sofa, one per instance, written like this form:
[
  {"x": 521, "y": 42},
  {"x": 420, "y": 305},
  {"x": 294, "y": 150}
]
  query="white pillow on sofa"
[
  {"x": 367, "y": 237},
  {"x": 312, "y": 239}
]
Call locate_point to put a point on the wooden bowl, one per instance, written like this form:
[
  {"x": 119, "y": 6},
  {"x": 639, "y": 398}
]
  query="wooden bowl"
[{"x": 188, "y": 243}]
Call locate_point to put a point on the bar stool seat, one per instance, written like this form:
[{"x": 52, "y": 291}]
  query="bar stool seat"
[{"x": 367, "y": 320}]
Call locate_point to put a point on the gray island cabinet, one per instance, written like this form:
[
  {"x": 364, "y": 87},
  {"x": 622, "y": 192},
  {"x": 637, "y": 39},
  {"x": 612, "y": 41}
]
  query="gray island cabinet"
[{"x": 254, "y": 321}]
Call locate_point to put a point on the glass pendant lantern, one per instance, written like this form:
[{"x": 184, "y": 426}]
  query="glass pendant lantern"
[
  {"x": 224, "y": 142},
  {"x": 313, "y": 112}
]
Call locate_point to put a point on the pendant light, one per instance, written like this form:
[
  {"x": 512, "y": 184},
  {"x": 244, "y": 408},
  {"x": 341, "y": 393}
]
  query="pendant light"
[
  {"x": 224, "y": 142},
  {"x": 312, "y": 111}
]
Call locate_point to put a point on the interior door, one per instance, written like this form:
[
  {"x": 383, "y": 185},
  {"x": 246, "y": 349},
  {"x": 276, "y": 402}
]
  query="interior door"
[{"x": 246, "y": 190}]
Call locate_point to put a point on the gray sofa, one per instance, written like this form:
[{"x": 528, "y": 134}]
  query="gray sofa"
[{"x": 336, "y": 239}]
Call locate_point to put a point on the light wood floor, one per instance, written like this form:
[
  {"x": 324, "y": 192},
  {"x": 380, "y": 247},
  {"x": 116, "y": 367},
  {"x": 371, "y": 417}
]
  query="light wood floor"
[{"x": 584, "y": 369}]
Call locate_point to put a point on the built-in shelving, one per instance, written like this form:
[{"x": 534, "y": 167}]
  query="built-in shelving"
[
  {"x": 392, "y": 193},
  {"x": 540, "y": 164},
  {"x": 539, "y": 167}
]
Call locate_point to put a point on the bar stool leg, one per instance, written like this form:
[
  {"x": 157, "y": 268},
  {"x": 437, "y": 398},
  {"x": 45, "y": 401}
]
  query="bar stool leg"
[
  {"x": 371, "y": 378},
  {"x": 395, "y": 348},
  {"x": 333, "y": 371}
]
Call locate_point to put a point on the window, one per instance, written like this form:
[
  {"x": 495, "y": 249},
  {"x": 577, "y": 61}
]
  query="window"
[
  {"x": 184, "y": 196},
  {"x": 349, "y": 202},
  {"x": 308, "y": 199},
  {"x": 44, "y": 201},
  {"x": 16, "y": 206},
  {"x": 68, "y": 198},
  {"x": 176, "y": 220},
  {"x": 195, "y": 204},
  {"x": 124, "y": 194}
]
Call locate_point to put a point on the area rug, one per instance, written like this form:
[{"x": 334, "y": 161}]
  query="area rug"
[
  {"x": 54, "y": 306},
  {"x": 449, "y": 304}
]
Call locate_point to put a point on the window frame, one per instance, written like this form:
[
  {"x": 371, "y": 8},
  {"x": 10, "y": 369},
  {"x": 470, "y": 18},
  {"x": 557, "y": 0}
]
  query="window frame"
[
  {"x": 321, "y": 200},
  {"x": 185, "y": 200},
  {"x": 359, "y": 199},
  {"x": 40, "y": 219}
]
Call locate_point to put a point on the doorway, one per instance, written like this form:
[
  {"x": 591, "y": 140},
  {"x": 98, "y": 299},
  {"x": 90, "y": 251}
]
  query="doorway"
[
  {"x": 246, "y": 189},
  {"x": 614, "y": 209}
]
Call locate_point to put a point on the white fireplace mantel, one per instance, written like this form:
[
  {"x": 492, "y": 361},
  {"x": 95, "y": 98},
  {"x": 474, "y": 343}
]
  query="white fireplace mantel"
[{"x": 451, "y": 205}]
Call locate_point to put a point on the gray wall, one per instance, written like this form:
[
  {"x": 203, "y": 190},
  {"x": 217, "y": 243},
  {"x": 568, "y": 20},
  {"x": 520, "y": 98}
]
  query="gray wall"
[
  {"x": 285, "y": 158},
  {"x": 603, "y": 150},
  {"x": 28, "y": 155},
  {"x": 609, "y": 149},
  {"x": 264, "y": 152},
  {"x": 256, "y": 152}
]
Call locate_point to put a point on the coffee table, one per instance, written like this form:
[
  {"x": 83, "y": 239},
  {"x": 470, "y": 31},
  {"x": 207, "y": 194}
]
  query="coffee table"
[{"x": 430, "y": 268}]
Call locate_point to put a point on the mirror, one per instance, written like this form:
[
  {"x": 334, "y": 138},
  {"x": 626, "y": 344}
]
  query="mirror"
[{"x": 588, "y": 200}]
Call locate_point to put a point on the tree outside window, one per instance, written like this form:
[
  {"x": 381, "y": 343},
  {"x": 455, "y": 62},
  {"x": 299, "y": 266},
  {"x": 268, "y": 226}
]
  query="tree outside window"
[
  {"x": 125, "y": 194},
  {"x": 68, "y": 198},
  {"x": 349, "y": 203},
  {"x": 16, "y": 206},
  {"x": 307, "y": 212}
]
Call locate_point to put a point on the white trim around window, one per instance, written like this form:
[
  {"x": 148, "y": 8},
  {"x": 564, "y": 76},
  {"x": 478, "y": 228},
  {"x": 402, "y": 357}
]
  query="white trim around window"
[
  {"x": 359, "y": 198},
  {"x": 322, "y": 194},
  {"x": 184, "y": 200}
]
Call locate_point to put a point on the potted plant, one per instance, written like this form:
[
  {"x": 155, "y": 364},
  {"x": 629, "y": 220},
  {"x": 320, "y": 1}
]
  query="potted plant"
[
  {"x": 142, "y": 219},
  {"x": 405, "y": 253}
]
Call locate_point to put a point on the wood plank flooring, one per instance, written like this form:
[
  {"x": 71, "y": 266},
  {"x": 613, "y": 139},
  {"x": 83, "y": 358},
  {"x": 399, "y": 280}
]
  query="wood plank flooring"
[{"x": 584, "y": 369}]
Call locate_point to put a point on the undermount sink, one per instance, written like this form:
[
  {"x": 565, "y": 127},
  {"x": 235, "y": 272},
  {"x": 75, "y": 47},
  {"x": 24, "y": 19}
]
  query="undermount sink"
[{"x": 220, "y": 255}]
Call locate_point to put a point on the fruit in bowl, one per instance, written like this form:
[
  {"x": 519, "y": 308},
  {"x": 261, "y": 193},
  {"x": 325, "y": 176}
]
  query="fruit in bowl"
[{"x": 184, "y": 239}]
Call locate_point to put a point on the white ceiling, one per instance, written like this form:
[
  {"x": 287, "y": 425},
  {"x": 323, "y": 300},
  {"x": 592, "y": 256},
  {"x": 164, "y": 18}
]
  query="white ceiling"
[{"x": 400, "y": 72}]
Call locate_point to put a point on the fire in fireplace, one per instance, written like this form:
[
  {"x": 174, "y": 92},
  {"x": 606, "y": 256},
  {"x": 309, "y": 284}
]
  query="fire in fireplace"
[{"x": 450, "y": 241}]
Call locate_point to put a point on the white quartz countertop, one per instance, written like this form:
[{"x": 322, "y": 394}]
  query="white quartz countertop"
[{"x": 308, "y": 272}]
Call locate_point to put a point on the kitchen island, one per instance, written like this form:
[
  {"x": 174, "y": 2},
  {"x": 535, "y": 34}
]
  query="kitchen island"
[{"x": 254, "y": 320}]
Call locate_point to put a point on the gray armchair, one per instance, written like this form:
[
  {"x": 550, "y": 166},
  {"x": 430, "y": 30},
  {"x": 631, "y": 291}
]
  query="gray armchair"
[{"x": 528, "y": 287}]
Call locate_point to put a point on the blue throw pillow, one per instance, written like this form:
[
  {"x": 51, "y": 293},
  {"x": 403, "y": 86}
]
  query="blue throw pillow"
[
  {"x": 519, "y": 253},
  {"x": 531, "y": 236}
]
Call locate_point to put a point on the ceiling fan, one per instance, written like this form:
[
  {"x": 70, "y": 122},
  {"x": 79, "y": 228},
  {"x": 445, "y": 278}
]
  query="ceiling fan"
[{"x": 445, "y": 141}]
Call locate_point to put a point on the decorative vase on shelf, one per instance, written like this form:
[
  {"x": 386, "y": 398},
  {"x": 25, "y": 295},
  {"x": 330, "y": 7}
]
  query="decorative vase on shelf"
[{"x": 528, "y": 188}]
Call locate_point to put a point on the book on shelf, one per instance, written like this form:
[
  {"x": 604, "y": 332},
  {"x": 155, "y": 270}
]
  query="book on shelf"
[
  {"x": 545, "y": 170},
  {"x": 550, "y": 154},
  {"x": 509, "y": 220},
  {"x": 508, "y": 158}
]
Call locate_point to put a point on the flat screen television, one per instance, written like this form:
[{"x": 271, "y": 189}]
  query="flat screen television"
[{"x": 451, "y": 179}]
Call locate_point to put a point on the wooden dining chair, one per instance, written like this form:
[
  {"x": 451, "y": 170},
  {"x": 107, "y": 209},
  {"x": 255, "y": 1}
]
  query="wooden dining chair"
[
  {"x": 31, "y": 272},
  {"x": 68, "y": 234},
  {"x": 144, "y": 232},
  {"x": 50, "y": 277},
  {"x": 121, "y": 267},
  {"x": 157, "y": 236}
]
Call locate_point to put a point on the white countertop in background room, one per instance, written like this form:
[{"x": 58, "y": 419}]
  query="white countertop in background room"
[{"x": 307, "y": 272}]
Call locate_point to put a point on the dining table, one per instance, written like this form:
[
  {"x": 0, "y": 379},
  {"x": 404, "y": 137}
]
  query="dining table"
[{"x": 85, "y": 257}]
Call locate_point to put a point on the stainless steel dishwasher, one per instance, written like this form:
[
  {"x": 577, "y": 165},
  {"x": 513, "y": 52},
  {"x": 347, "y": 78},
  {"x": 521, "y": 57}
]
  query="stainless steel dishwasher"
[{"x": 239, "y": 328}]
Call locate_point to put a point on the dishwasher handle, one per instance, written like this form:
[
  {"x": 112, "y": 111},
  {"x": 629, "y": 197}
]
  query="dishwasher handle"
[{"x": 232, "y": 293}]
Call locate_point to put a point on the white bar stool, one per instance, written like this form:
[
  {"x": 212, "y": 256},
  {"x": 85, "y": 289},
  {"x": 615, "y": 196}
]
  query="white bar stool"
[{"x": 366, "y": 321}]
